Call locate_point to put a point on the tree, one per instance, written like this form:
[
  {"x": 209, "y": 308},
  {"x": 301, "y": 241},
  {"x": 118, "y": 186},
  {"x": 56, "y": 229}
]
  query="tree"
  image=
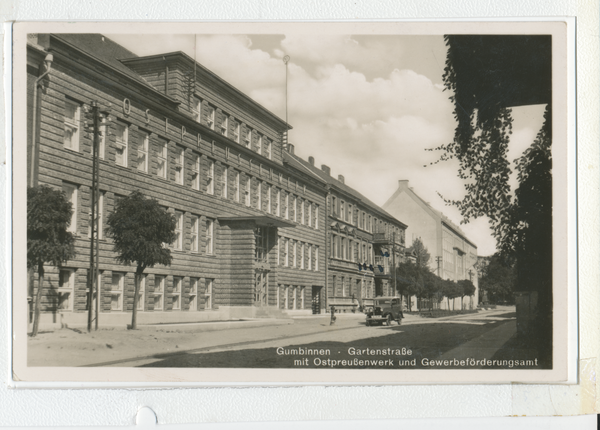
[
  {"x": 432, "y": 285},
  {"x": 451, "y": 290},
  {"x": 141, "y": 230},
  {"x": 498, "y": 279},
  {"x": 485, "y": 74},
  {"x": 406, "y": 280},
  {"x": 467, "y": 289},
  {"x": 48, "y": 240}
]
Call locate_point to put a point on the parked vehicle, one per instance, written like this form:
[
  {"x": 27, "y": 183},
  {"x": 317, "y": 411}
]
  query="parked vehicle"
[{"x": 385, "y": 310}]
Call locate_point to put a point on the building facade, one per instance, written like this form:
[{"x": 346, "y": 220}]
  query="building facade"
[
  {"x": 453, "y": 255},
  {"x": 363, "y": 241},
  {"x": 250, "y": 228}
]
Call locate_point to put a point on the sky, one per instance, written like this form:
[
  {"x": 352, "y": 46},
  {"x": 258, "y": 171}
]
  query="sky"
[{"x": 368, "y": 106}]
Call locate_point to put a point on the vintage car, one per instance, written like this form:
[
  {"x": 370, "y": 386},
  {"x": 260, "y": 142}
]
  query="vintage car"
[{"x": 385, "y": 310}]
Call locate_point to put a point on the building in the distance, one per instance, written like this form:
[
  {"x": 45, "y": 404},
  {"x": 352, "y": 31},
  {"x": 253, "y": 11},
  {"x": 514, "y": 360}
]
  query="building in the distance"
[
  {"x": 363, "y": 241},
  {"x": 250, "y": 226},
  {"x": 453, "y": 255}
]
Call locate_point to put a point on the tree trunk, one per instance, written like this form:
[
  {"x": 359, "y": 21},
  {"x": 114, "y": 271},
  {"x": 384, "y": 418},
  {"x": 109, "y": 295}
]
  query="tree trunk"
[
  {"x": 462, "y": 304},
  {"x": 448, "y": 300},
  {"x": 136, "y": 293},
  {"x": 38, "y": 299}
]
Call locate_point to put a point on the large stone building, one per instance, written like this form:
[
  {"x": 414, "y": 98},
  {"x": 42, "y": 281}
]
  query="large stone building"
[
  {"x": 258, "y": 230},
  {"x": 453, "y": 255},
  {"x": 207, "y": 152},
  {"x": 363, "y": 242}
]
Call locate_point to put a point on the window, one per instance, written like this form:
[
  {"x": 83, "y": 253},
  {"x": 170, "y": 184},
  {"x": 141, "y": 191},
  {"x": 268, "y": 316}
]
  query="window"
[
  {"x": 269, "y": 205},
  {"x": 179, "y": 165},
  {"x": 71, "y": 125},
  {"x": 259, "y": 196},
  {"x": 176, "y": 296},
  {"x": 295, "y": 254},
  {"x": 236, "y": 186},
  {"x": 121, "y": 136},
  {"x": 210, "y": 117},
  {"x": 369, "y": 223},
  {"x": 287, "y": 206},
  {"x": 295, "y": 205},
  {"x": 259, "y": 144},
  {"x": 161, "y": 170},
  {"x": 334, "y": 206},
  {"x": 268, "y": 149},
  {"x": 261, "y": 237},
  {"x": 316, "y": 258},
  {"x": 343, "y": 287},
  {"x": 159, "y": 292},
  {"x": 70, "y": 191},
  {"x": 278, "y": 200},
  {"x": 224, "y": 187},
  {"x": 195, "y": 222},
  {"x": 302, "y": 212},
  {"x": 99, "y": 216},
  {"x": 278, "y": 250},
  {"x": 197, "y": 110},
  {"x": 142, "y": 158},
  {"x": 309, "y": 260},
  {"x": 66, "y": 289},
  {"x": 370, "y": 255},
  {"x": 317, "y": 217},
  {"x": 236, "y": 131},
  {"x": 302, "y": 255},
  {"x": 247, "y": 192},
  {"x": 224, "y": 124},
  {"x": 116, "y": 291},
  {"x": 286, "y": 252},
  {"x": 342, "y": 211},
  {"x": 350, "y": 215},
  {"x": 286, "y": 296},
  {"x": 177, "y": 243},
  {"x": 294, "y": 298},
  {"x": 196, "y": 173},
  {"x": 142, "y": 293},
  {"x": 301, "y": 297},
  {"x": 208, "y": 293},
  {"x": 310, "y": 214},
  {"x": 248, "y": 138},
  {"x": 210, "y": 176},
  {"x": 209, "y": 236},
  {"x": 193, "y": 296},
  {"x": 344, "y": 253}
]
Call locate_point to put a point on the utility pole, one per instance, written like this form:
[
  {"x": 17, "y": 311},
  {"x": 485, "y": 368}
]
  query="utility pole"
[{"x": 94, "y": 120}]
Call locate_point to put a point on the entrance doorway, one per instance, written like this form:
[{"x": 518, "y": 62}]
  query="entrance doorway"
[{"x": 316, "y": 300}]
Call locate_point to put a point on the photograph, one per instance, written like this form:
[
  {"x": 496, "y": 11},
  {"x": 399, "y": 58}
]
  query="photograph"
[{"x": 291, "y": 203}]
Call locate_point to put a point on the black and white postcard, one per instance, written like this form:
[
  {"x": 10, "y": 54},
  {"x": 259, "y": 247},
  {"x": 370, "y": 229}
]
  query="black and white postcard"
[{"x": 289, "y": 203}]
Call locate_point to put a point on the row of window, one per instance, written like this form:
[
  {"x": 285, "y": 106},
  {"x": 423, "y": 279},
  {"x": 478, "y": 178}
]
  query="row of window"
[
  {"x": 294, "y": 253},
  {"x": 230, "y": 127},
  {"x": 344, "y": 248},
  {"x": 156, "y": 297},
  {"x": 291, "y": 297},
  {"x": 346, "y": 212},
  {"x": 349, "y": 287},
  {"x": 71, "y": 192},
  {"x": 303, "y": 211}
]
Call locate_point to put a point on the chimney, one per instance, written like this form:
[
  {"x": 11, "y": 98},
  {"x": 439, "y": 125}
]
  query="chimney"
[
  {"x": 341, "y": 179},
  {"x": 403, "y": 182},
  {"x": 326, "y": 169},
  {"x": 311, "y": 160},
  {"x": 290, "y": 148}
]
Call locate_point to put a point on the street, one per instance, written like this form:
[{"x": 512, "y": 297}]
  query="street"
[{"x": 482, "y": 340}]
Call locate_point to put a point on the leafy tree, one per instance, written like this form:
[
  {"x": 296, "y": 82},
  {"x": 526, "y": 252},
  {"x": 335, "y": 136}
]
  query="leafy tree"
[
  {"x": 432, "y": 285},
  {"x": 467, "y": 289},
  {"x": 451, "y": 290},
  {"x": 406, "y": 277},
  {"x": 48, "y": 241},
  {"x": 141, "y": 230},
  {"x": 498, "y": 280},
  {"x": 421, "y": 255},
  {"x": 479, "y": 72}
]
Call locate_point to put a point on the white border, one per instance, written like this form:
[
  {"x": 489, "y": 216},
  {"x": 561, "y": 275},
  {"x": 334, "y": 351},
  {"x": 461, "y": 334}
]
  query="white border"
[{"x": 118, "y": 407}]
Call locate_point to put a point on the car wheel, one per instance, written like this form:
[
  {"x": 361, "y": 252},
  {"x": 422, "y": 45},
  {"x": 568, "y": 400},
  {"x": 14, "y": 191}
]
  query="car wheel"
[
  {"x": 389, "y": 320},
  {"x": 399, "y": 321},
  {"x": 368, "y": 323}
]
